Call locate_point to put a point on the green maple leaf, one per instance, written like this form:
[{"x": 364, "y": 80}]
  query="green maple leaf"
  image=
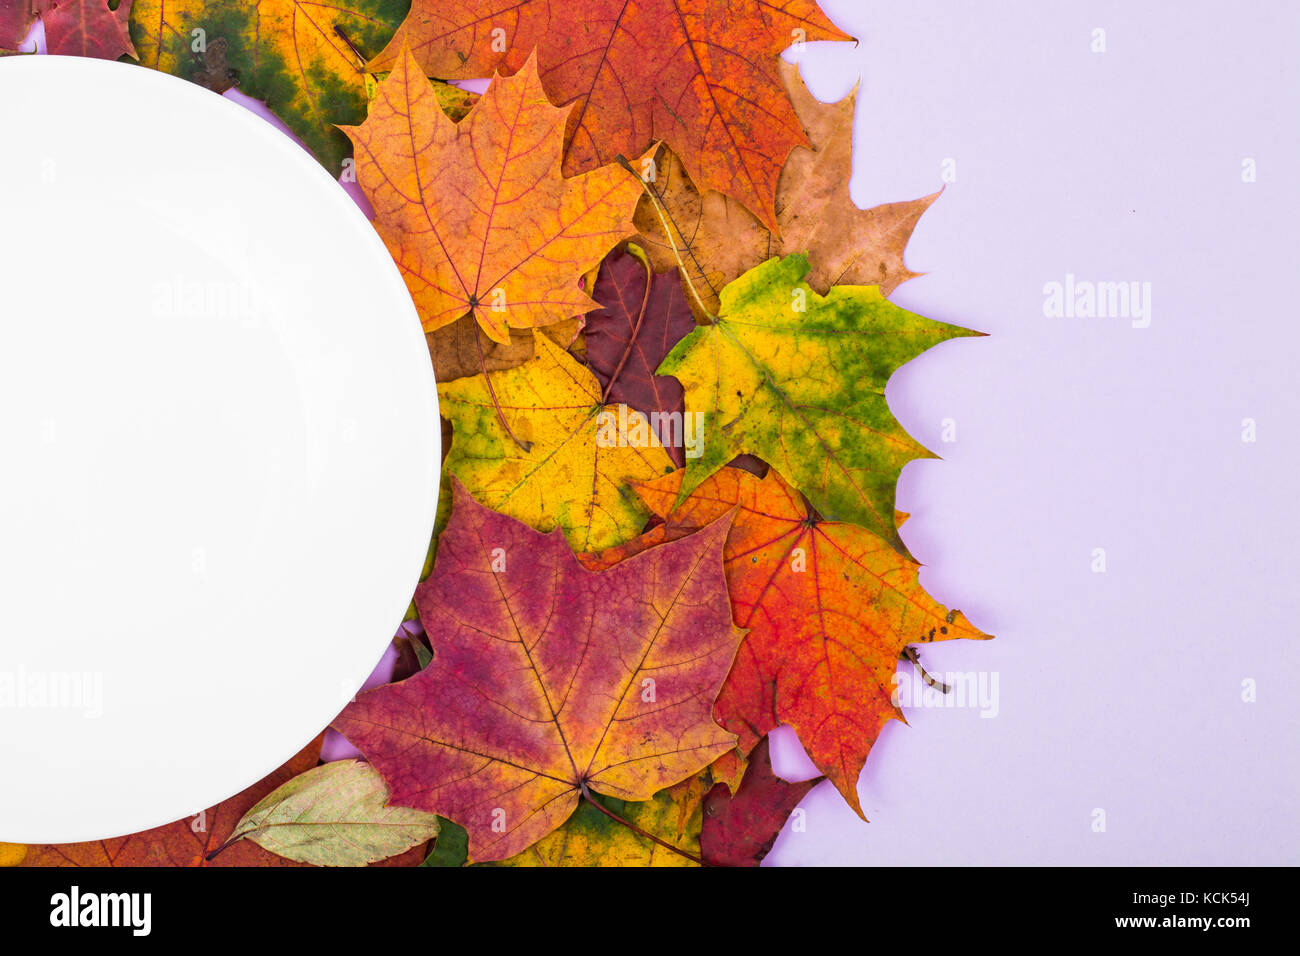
[
  {"x": 798, "y": 379},
  {"x": 293, "y": 54}
]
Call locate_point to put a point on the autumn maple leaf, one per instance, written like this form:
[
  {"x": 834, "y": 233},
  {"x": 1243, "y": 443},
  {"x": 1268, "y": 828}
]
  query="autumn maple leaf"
[
  {"x": 592, "y": 837},
  {"x": 576, "y": 458},
  {"x": 477, "y": 214},
  {"x": 72, "y": 27},
  {"x": 642, "y": 316},
  {"x": 550, "y": 681},
  {"x": 798, "y": 379},
  {"x": 707, "y": 819},
  {"x": 830, "y": 608},
  {"x": 15, "y": 20},
  {"x": 459, "y": 351},
  {"x": 716, "y": 239},
  {"x": 296, "y": 55},
  {"x": 738, "y": 829},
  {"x": 700, "y": 75}
]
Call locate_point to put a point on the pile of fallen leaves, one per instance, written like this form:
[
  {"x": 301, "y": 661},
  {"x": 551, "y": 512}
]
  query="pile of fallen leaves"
[{"x": 661, "y": 336}]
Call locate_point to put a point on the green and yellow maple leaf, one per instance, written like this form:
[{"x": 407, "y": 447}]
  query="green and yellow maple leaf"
[
  {"x": 290, "y": 53},
  {"x": 713, "y": 817},
  {"x": 591, "y": 838},
  {"x": 798, "y": 379},
  {"x": 562, "y": 471}
]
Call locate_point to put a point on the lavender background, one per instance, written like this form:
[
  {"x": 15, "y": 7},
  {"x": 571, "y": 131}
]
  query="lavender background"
[{"x": 1122, "y": 690}]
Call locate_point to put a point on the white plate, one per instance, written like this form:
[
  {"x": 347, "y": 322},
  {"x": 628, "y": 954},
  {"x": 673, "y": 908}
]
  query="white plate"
[{"x": 218, "y": 449}]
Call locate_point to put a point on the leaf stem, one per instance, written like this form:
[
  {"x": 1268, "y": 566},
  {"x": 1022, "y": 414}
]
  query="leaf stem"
[
  {"x": 482, "y": 364},
  {"x": 669, "y": 227},
  {"x": 361, "y": 57},
  {"x": 233, "y": 839},
  {"x": 586, "y": 795},
  {"x": 909, "y": 654}
]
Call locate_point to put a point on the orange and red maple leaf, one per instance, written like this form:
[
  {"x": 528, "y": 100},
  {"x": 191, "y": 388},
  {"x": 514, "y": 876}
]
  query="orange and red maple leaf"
[
  {"x": 477, "y": 214},
  {"x": 700, "y": 75},
  {"x": 829, "y": 606}
]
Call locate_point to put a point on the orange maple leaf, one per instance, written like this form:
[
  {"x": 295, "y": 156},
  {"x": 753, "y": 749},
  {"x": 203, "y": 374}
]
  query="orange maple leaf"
[
  {"x": 478, "y": 214},
  {"x": 699, "y": 74},
  {"x": 830, "y": 607}
]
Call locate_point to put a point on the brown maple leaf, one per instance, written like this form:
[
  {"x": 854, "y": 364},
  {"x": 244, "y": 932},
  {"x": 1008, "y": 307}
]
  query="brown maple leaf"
[
  {"x": 458, "y": 352},
  {"x": 741, "y": 824},
  {"x": 718, "y": 240},
  {"x": 642, "y": 316},
  {"x": 700, "y": 75}
]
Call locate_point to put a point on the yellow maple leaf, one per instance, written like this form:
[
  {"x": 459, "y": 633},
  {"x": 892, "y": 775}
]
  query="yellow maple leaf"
[{"x": 575, "y": 458}]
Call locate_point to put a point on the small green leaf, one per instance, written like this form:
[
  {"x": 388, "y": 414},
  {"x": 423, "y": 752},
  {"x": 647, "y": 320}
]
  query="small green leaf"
[
  {"x": 452, "y": 846},
  {"x": 334, "y": 815}
]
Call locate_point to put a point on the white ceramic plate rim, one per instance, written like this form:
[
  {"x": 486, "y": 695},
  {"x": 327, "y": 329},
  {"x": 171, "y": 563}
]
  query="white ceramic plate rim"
[{"x": 413, "y": 364}]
